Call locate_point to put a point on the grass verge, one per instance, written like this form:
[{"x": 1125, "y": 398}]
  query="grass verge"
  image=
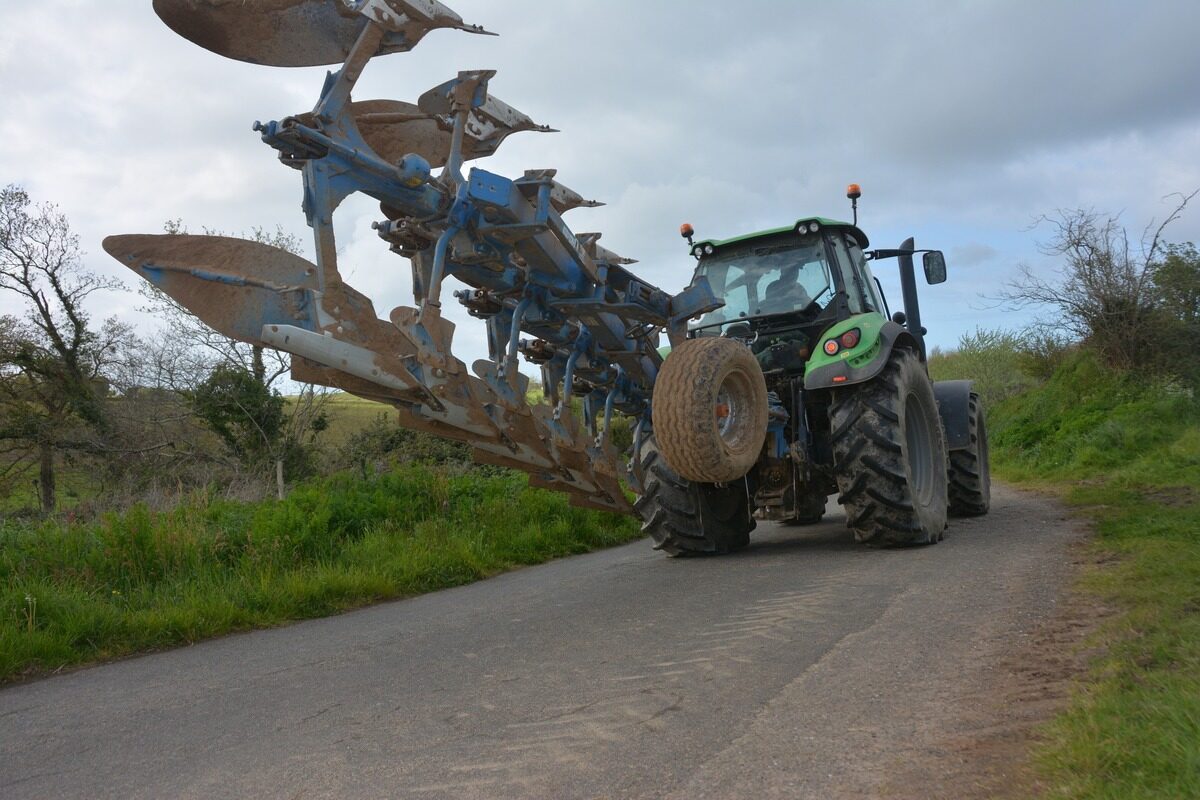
[
  {"x": 1127, "y": 454},
  {"x": 140, "y": 580}
]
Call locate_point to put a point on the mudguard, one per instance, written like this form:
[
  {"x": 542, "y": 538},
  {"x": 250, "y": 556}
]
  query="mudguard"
[
  {"x": 865, "y": 362},
  {"x": 953, "y": 402}
]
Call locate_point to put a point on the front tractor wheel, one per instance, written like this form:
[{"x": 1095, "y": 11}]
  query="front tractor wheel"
[
  {"x": 890, "y": 454},
  {"x": 710, "y": 410},
  {"x": 688, "y": 518},
  {"x": 809, "y": 508}
]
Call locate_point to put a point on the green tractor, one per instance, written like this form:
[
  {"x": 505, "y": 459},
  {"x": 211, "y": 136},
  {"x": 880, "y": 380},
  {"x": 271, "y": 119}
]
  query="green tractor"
[{"x": 802, "y": 385}]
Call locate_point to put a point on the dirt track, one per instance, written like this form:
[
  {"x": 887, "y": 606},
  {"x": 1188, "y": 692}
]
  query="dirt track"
[{"x": 803, "y": 667}]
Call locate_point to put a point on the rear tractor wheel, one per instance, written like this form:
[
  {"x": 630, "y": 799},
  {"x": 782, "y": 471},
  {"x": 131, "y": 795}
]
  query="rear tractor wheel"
[
  {"x": 890, "y": 455},
  {"x": 970, "y": 474}
]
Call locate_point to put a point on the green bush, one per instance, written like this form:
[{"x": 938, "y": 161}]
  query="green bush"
[
  {"x": 991, "y": 359},
  {"x": 383, "y": 443}
]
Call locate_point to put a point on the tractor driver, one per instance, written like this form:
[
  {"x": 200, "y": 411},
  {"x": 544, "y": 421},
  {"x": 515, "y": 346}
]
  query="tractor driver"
[{"x": 786, "y": 293}]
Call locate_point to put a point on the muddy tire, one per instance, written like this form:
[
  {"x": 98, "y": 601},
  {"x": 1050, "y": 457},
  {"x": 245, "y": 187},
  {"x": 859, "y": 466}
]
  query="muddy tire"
[
  {"x": 970, "y": 473},
  {"x": 688, "y": 518},
  {"x": 809, "y": 510},
  {"x": 710, "y": 410},
  {"x": 890, "y": 454}
]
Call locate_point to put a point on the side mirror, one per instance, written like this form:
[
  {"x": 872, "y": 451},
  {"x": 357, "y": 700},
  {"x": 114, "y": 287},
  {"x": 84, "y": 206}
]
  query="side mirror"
[{"x": 935, "y": 267}]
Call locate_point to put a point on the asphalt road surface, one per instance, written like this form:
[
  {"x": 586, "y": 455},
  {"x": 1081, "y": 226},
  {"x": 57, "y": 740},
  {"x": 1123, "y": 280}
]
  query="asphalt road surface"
[{"x": 806, "y": 666}]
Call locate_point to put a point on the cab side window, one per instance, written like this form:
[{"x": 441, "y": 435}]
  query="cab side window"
[
  {"x": 860, "y": 297},
  {"x": 861, "y": 267}
]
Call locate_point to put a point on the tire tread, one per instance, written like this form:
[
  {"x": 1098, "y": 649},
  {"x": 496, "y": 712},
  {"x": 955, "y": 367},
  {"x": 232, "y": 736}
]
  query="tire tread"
[
  {"x": 868, "y": 447},
  {"x": 970, "y": 476},
  {"x": 678, "y": 516}
]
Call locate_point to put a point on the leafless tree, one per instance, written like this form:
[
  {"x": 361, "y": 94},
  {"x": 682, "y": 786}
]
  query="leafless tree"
[
  {"x": 54, "y": 365},
  {"x": 1104, "y": 293},
  {"x": 192, "y": 351}
]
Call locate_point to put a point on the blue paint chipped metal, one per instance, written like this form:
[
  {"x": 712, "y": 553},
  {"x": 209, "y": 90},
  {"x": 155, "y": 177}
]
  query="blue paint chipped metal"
[{"x": 593, "y": 327}]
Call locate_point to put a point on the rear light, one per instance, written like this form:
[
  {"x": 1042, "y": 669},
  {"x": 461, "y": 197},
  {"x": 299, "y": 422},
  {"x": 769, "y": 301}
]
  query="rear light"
[{"x": 847, "y": 341}]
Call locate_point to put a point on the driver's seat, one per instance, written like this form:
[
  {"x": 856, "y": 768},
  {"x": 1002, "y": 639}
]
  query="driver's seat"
[{"x": 784, "y": 288}]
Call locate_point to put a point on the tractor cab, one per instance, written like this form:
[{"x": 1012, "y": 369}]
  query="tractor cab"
[
  {"x": 784, "y": 287},
  {"x": 805, "y": 301},
  {"x": 803, "y": 333}
]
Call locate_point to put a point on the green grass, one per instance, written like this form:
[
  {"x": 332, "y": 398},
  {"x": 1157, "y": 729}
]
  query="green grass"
[
  {"x": 19, "y": 494},
  {"x": 1125, "y": 451},
  {"x": 349, "y": 414},
  {"x": 77, "y": 593}
]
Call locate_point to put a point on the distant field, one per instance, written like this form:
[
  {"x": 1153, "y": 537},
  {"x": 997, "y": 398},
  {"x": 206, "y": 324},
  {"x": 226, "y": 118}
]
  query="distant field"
[
  {"x": 349, "y": 414},
  {"x": 77, "y": 483}
]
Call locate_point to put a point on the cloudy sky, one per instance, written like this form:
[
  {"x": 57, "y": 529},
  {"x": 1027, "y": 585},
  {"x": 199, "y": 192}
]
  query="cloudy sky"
[{"x": 961, "y": 121}]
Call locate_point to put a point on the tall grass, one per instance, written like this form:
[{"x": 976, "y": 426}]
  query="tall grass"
[
  {"x": 138, "y": 580},
  {"x": 1125, "y": 450}
]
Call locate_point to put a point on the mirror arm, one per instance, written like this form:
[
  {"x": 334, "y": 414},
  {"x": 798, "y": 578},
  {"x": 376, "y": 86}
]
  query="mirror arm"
[{"x": 875, "y": 255}]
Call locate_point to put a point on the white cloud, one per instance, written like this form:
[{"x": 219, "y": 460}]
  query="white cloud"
[{"x": 961, "y": 122}]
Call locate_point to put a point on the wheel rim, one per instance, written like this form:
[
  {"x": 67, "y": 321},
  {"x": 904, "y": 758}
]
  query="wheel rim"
[
  {"x": 730, "y": 411},
  {"x": 919, "y": 450}
]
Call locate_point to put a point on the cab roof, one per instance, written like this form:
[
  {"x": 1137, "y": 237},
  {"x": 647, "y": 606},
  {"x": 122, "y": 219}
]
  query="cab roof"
[{"x": 824, "y": 222}]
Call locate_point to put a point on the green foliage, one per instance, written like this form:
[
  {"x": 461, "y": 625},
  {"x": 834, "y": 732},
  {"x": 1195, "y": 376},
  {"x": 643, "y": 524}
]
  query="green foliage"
[
  {"x": 1177, "y": 278},
  {"x": 1126, "y": 450},
  {"x": 1000, "y": 363},
  {"x": 1042, "y": 351},
  {"x": 346, "y": 415},
  {"x": 1177, "y": 281},
  {"x": 239, "y": 408},
  {"x": 622, "y": 426},
  {"x": 1092, "y": 422},
  {"x": 1177, "y": 284},
  {"x": 992, "y": 359},
  {"x": 141, "y": 579},
  {"x": 622, "y": 433},
  {"x": 383, "y": 442}
]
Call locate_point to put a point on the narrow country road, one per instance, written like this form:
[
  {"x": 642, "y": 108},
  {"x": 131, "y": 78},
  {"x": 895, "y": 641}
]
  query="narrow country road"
[{"x": 803, "y": 667}]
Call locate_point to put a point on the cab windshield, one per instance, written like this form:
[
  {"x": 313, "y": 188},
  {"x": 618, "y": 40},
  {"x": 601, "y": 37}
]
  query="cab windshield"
[{"x": 756, "y": 279}]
